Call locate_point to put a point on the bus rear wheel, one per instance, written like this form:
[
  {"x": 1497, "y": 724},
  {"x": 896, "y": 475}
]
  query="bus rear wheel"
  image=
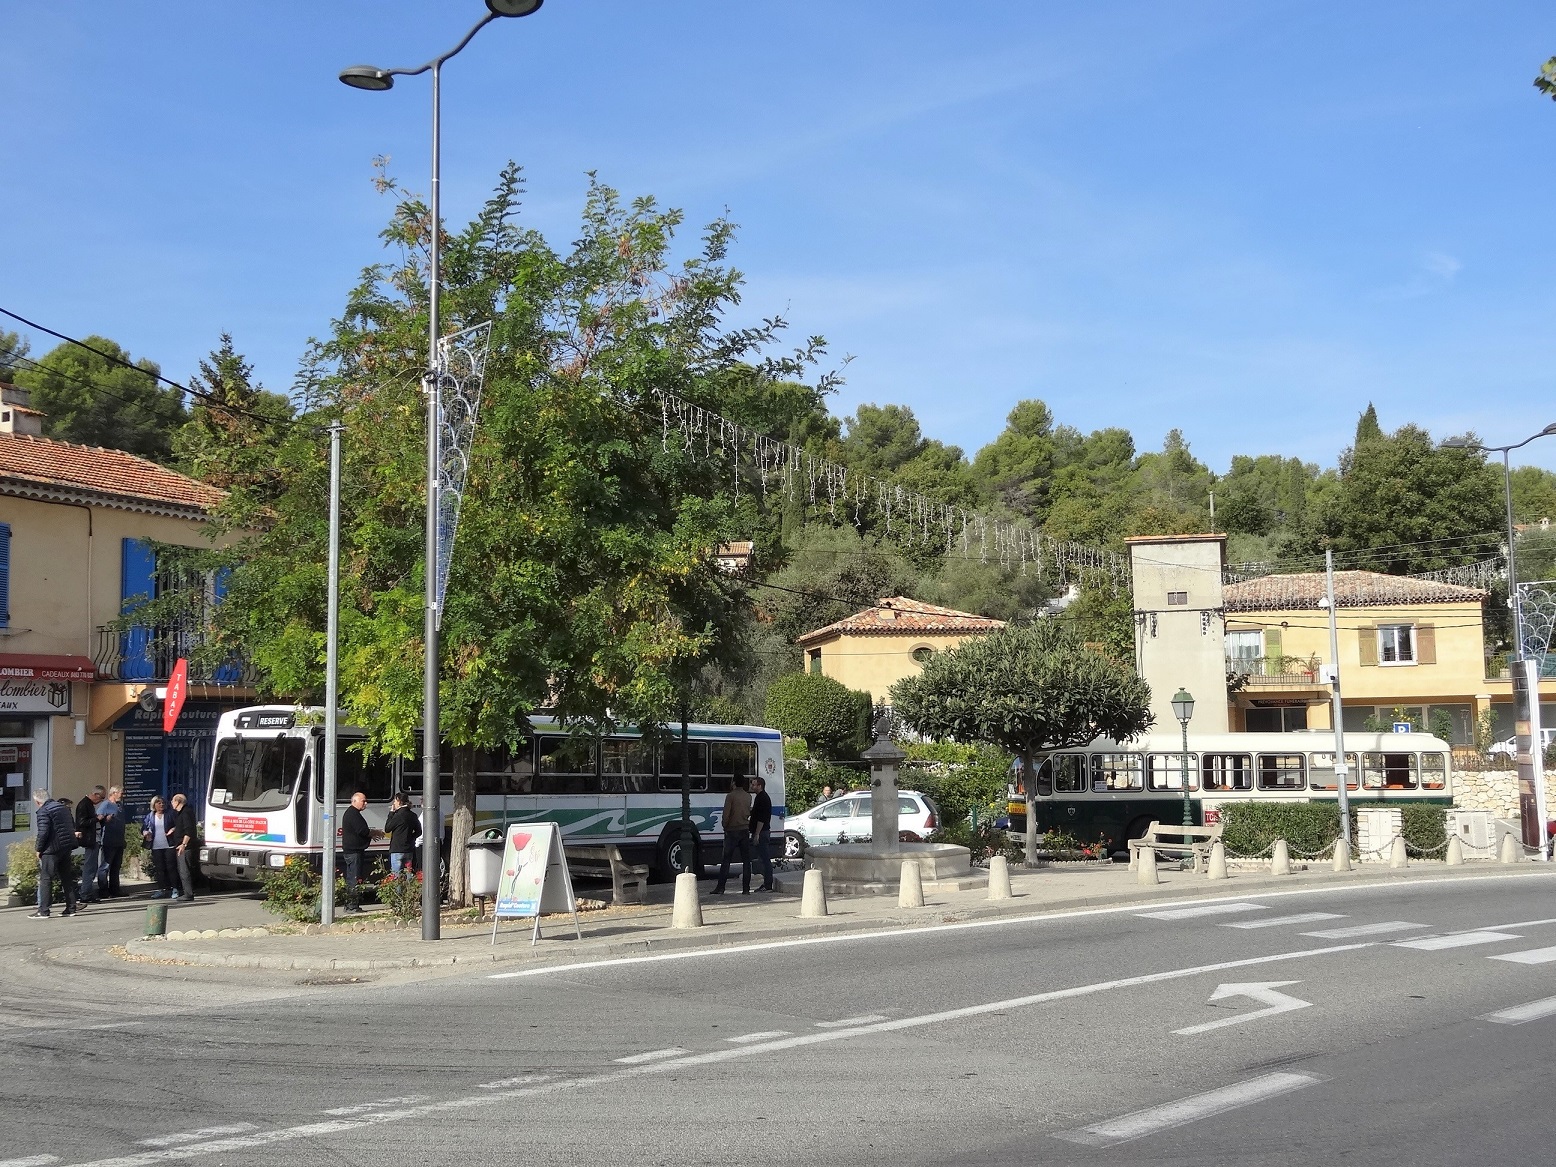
[
  {"x": 672, "y": 859},
  {"x": 1136, "y": 830}
]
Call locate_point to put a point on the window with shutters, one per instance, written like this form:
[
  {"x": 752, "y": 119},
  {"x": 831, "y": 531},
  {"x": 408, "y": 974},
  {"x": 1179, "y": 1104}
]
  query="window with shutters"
[
  {"x": 5, "y": 575},
  {"x": 1396, "y": 644}
]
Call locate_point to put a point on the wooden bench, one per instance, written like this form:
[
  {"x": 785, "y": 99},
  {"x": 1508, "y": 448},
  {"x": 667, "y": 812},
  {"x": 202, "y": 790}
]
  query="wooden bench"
[
  {"x": 1179, "y": 842},
  {"x": 629, "y": 881}
]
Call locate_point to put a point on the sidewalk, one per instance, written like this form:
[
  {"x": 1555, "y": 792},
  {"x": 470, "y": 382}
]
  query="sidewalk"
[{"x": 734, "y": 919}]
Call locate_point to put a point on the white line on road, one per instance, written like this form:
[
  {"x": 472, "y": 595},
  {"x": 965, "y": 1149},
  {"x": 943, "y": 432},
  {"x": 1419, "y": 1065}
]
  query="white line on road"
[
  {"x": 765, "y": 1035},
  {"x": 1367, "y": 930},
  {"x": 1258, "y": 990},
  {"x": 845, "y": 1022},
  {"x": 1276, "y": 921},
  {"x": 1517, "y": 1015},
  {"x": 209, "y": 1132},
  {"x": 1531, "y": 956},
  {"x": 653, "y": 1055},
  {"x": 31, "y": 1161},
  {"x": 1516, "y": 924},
  {"x": 1455, "y": 940},
  {"x": 1201, "y": 910},
  {"x": 509, "y": 1083},
  {"x": 1187, "y": 1110},
  {"x": 614, "y": 1077},
  {"x": 381, "y": 1104}
]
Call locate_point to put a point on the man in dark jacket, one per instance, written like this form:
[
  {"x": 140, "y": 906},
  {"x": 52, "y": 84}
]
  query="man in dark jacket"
[
  {"x": 184, "y": 835},
  {"x": 761, "y": 831},
  {"x": 112, "y": 818},
  {"x": 86, "y": 836},
  {"x": 56, "y": 839},
  {"x": 403, "y": 827},
  {"x": 355, "y": 835}
]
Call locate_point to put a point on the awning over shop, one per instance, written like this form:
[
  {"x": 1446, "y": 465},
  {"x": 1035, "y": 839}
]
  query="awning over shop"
[{"x": 22, "y": 666}]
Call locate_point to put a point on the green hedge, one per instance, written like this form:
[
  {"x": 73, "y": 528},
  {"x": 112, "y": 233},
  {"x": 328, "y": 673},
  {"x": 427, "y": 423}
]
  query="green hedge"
[
  {"x": 1248, "y": 828},
  {"x": 833, "y": 719},
  {"x": 803, "y": 779}
]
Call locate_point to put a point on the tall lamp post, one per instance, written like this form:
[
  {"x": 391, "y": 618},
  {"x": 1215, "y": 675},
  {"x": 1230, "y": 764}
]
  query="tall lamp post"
[
  {"x": 371, "y": 77},
  {"x": 1183, "y": 709}
]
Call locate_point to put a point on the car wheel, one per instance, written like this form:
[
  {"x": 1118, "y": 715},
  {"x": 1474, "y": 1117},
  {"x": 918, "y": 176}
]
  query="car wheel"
[{"x": 793, "y": 845}]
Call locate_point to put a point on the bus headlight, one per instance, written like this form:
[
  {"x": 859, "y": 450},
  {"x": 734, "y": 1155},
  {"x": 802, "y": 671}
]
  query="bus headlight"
[
  {"x": 277, "y": 860},
  {"x": 205, "y": 854}
]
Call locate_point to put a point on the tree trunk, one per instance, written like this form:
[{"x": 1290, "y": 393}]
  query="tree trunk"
[
  {"x": 461, "y": 827},
  {"x": 1027, "y": 782}
]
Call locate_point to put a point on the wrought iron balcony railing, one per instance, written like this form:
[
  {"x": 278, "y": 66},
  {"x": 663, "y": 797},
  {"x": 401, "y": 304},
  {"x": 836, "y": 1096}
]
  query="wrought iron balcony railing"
[{"x": 145, "y": 653}]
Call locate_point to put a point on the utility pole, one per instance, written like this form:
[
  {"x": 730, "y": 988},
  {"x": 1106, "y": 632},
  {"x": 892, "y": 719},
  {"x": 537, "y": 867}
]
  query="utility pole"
[
  {"x": 1342, "y": 772},
  {"x": 331, "y": 687}
]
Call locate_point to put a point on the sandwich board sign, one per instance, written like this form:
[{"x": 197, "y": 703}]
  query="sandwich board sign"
[{"x": 534, "y": 877}]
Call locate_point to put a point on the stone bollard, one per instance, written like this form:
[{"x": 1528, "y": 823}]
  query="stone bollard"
[
  {"x": 688, "y": 909},
  {"x": 1455, "y": 855},
  {"x": 1217, "y": 860},
  {"x": 1512, "y": 849},
  {"x": 1398, "y": 857},
  {"x": 1280, "y": 860},
  {"x": 911, "y": 888},
  {"x": 999, "y": 878},
  {"x": 1342, "y": 854},
  {"x": 1134, "y": 858},
  {"x": 156, "y": 919},
  {"x": 1145, "y": 868},
  {"x": 813, "y": 896}
]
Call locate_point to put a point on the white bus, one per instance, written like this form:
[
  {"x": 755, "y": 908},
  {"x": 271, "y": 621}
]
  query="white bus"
[
  {"x": 264, "y": 803},
  {"x": 1113, "y": 791}
]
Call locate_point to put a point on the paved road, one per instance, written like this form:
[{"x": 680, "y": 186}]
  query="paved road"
[{"x": 1405, "y": 1023}]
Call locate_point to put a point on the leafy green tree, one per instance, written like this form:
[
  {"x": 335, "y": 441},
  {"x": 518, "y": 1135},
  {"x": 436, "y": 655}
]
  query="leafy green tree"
[
  {"x": 1030, "y": 690},
  {"x": 1016, "y": 467},
  {"x": 1546, "y": 81},
  {"x": 829, "y": 716},
  {"x": 1367, "y": 427},
  {"x": 230, "y": 436},
  {"x": 13, "y": 352},
  {"x": 1263, "y": 495},
  {"x": 1534, "y": 494},
  {"x": 92, "y": 399}
]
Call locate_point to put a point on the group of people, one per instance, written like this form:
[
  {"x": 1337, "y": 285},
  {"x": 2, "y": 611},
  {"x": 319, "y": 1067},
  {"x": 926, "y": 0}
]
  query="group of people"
[
  {"x": 402, "y": 828},
  {"x": 748, "y": 824},
  {"x": 97, "y": 827}
]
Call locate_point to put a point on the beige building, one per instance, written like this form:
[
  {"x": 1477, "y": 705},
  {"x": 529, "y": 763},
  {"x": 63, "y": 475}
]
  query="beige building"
[
  {"x": 1178, "y": 625},
  {"x": 874, "y": 649},
  {"x": 78, "y": 699}
]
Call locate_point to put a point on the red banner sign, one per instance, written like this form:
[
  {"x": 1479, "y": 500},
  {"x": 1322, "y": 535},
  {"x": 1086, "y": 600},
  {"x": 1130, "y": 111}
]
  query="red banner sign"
[{"x": 177, "y": 690}]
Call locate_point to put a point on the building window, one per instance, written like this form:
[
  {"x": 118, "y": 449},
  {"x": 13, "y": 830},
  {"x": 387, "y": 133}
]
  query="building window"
[
  {"x": 815, "y": 660},
  {"x": 1177, "y": 599},
  {"x": 922, "y": 653},
  {"x": 1396, "y": 644}
]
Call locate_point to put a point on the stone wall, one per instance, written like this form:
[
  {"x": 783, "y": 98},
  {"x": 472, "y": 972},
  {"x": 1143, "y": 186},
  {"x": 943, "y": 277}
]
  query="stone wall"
[{"x": 1496, "y": 791}]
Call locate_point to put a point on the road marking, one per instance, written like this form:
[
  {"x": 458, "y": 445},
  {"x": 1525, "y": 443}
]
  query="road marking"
[
  {"x": 381, "y": 1104},
  {"x": 1277, "y": 921},
  {"x": 507, "y": 1083},
  {"x": 847, "y": 1021},
  {"x": 1516, "y": 924},
  {"x": 1367, "y": 930},
  {"x": 32, "y": 1161},
  {"x": 1259, "y": 991},
  {"x": 1201, "y": 910},
  {"x": 1187, "y": 1110},
  {"x": 766, "y": 1035},
  {"x": 209, "y": 1132},
  {"x": 652, "y": 1055},
  {"x": 1455, "y": 940},
  {"x": 1529, "y": 956},
  {"x": 1517, "y": 1015},
  {"x": 1056, "y": 917}
]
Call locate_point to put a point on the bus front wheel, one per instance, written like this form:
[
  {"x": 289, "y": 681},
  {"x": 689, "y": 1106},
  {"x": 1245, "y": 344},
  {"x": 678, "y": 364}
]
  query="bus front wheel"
[{"x": 672, "y": 859}]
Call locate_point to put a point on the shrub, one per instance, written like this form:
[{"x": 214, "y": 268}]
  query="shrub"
[
  {"x": 832, "y": 718},
  {"x": 1247, "y": 828},
  {"x": 401, "y": 894},
  {"x": 1425, "y": 827},
  {"x": 978, "y": 780},
  {"x": 983, "y": 843},
  {"x": 803, "y": 779},
  {"x": 22, "y": 869},
  {"x": 294, "y": 890}
]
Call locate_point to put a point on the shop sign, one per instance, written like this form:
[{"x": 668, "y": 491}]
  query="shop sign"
[{"x": 18, "y": 696}]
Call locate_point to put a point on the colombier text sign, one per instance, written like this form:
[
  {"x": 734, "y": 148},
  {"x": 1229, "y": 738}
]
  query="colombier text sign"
[{"x": 534, "y": 877}]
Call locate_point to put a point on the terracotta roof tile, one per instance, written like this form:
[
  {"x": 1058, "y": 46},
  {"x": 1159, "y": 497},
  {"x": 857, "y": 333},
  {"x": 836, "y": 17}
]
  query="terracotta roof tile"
[
  {"x": 900, "y": 616},
  {"x": 26, "y": 460},
  {"x": 1352, "y": 589}
]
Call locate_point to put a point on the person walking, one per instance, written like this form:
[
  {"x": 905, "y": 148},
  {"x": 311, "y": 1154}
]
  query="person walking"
[
  {"x": 86, "y": 836},
  {"x": 403, "y": 828},
  {"x": 164, "y": 860},
  {"x": 761, "y": 832},
  {"x": 185, "y": 833},
  {"x": 55, "y": 835},
  {"x": 736, "y": 822},
  {"x": 112, "y": 818},
  {"x": 355, "y": 836}
]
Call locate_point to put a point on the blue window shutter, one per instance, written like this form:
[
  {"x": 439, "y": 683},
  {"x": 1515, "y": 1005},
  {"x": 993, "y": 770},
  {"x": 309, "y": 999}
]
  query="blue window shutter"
[
  {"x": 137, "y": 584},
  {"x": 5, "y": 575},
  {"x": 219, "y": 582},
  {"x": 232, "y": 672}
]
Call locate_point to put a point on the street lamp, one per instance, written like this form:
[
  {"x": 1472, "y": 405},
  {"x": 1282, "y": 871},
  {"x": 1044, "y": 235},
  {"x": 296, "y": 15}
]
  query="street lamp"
[
  {"x": 1183, "y": 709},
  {"x": 374, "y": 79}
]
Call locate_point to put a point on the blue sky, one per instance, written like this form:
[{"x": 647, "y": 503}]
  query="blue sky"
[{"x": 1246, "y": 221}]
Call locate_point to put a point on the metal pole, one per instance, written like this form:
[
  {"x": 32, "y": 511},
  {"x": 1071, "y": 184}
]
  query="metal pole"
[
  {"x": 1512, "y": 570},
  {"x": 431, "y": 766},
  {"x": 1183, "y": 774},
  {"x": 1341, "y": 770},
  {"x": 331, "y": 688},
  {"x": 688, "y": 834},
  {"x": 1535, "y": 750}
]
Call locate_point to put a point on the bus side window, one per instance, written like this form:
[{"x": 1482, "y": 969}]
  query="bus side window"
[
  {"x": 1228, "y": 772},
  {"x": 1070, "y": 773},
  {"x": 566, "y": 766},
  {"x": 1045, "y": 778},
  {"x": 1117, "y": 772},
  {"x": 728, "y": 759},
  {"x": 1282, "y": 771},
  {"x": 670, "y": 764},
  {"x": 1434, "y": 771},
  {"x": 1167, "y": 770}
]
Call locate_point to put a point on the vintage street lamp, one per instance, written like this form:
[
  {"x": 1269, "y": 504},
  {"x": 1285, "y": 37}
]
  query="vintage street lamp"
[{"x": 1183, "y": 709}]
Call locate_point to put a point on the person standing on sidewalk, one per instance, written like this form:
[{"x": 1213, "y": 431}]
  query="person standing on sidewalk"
[
  {"x": 112, "y": 818},
  {"x": 56, "y": 839},
  {"x": 761, "y": 831},
  {"x": 86, "y": 836},
  {"x": 403, "y": 828},
  {"x": 164, "y": 861},
  {"x": 736, "y": 822},
  {"x": 355, "y": 835},
  {"x": 184, "y": 834}
]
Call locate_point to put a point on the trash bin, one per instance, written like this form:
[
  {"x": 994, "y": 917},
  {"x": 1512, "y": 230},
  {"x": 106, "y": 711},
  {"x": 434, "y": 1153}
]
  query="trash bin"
[
  {"x": 485, "y": 852},
  {"x": 156, "y": 919}
]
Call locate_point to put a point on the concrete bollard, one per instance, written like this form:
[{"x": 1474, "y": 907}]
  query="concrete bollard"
[
  {"x": 1134, "y": 858},
  {"x": 1512, "y": 849},
  {"x": 1217, "y": 860},
  {"x": 1280, "y": 860},
  {"x": 813, "y": 896},
  {"x": 1398, "y": 857},
  {"x": 1145, "y": 868},
  {"x": 1342, "y": 854},
  {"x": 688, "y": 909},
  {"x": 910, "y": 892},
  {"x": 156, "y": 919},
  {"x": 1455, "y": 855},
  {"x": 999, "y": 878}
]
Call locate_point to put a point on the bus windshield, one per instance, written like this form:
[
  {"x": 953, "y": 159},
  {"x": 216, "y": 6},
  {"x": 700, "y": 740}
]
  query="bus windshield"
[{"x": 255, "y": 773}]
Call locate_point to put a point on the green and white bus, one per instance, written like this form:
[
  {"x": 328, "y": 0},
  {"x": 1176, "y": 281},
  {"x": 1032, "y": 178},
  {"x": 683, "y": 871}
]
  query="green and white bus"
[
  {"x": 263, "y": 802},
  {"x": 1112, "y": 791}
]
